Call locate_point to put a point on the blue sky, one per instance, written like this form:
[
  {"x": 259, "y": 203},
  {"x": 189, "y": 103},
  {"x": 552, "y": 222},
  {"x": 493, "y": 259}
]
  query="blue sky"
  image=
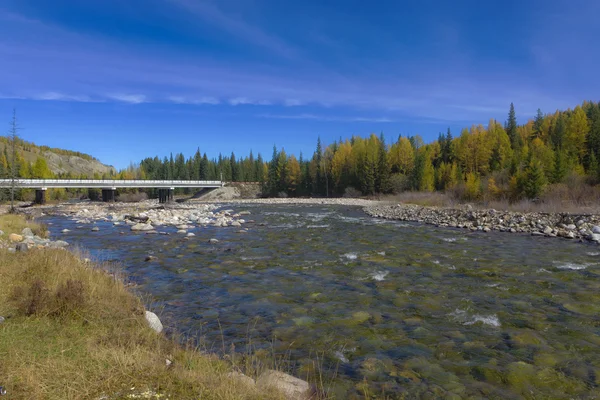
[{"x": 126, "y": 79}]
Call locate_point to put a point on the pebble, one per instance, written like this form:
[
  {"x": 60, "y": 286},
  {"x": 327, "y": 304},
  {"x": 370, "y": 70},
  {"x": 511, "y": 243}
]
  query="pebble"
[{"x": 95, "y": 229}]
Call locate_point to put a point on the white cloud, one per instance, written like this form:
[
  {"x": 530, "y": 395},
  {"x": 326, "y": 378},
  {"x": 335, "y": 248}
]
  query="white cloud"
[
  {"x": 236, "y": 101},
  {"x": 193, "y": 100},
  {"x": 57, "y": 96},
  {"x": 128, "y": 98}
]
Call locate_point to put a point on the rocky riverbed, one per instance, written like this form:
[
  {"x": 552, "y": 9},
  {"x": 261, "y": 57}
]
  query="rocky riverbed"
[
  {"x": 568, "y": 226},
  {"x": 147, "y": 216}
]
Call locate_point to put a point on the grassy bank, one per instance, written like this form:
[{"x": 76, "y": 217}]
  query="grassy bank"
[{"x": 74, "y": 332}]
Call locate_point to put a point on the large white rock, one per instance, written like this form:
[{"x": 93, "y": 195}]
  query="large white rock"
[
  {"x": 154, "y": 322},
  {"x": 142, "y": 227},
  {"x": 291, "y": 387}
]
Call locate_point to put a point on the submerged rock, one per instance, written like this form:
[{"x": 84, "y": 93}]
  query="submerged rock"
[{"x": 142, "y": 227}]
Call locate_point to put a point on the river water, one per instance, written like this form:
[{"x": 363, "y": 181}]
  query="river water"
[{"x": 375, "y": 308}]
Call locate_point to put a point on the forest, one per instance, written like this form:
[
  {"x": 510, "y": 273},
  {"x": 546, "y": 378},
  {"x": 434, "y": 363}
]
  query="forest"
[{"x": 503, "y": 160}]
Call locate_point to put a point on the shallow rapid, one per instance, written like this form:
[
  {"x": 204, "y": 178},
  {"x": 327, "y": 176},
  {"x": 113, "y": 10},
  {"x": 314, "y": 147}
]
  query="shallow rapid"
[{"x": 419, "y": 311}]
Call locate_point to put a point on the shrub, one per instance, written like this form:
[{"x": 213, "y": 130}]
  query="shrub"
[
  {"x": 472, "y": 187},
  {"x": 399, "y": 183},
  {"x": 351, "y": 193}
]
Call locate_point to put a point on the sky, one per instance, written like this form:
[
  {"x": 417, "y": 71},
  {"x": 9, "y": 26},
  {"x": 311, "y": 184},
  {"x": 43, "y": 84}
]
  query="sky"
[{"x": 128, "y": 79}]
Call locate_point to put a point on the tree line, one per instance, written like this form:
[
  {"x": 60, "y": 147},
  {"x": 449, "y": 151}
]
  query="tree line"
[{"x": 501, "y": 160}]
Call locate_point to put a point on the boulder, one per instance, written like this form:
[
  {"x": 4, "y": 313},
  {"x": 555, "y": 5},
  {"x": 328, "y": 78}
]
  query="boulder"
[
  {"x": 22, "y": 247},
  {"x": 58, "y": 244},
  {"x": 65, "y": 230},
  {"x": 27, "y": 232},
  {"x": 595, "y": 237},
  {"x": 596, "y": 229},
  {"x": 142, "y": 227},
  {"x": 95, "y": 229},
  {"x": 291, "y": 387},
  {"x": 191, "y": 234},
  {"x": 213, "y": 241},
  {"x": 13, "y": 237},
  {"x": 154, "y": 322},
  {"x": 236, "y": 224},
  {"x": 182, "y": 231},
  {"x": 571, "y": 227}
]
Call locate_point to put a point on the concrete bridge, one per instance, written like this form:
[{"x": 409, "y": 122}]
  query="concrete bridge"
[{"x": 108, "y": 186}]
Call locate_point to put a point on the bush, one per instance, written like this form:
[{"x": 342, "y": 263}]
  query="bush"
[
  {"x": 351, "y": 193},
  {"x": 133, "y": 197},
  {"x": 399, "y": 183}
]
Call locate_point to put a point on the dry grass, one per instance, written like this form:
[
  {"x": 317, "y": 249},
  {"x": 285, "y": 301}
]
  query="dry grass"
[
  {"x": 427, "y": 199},
  {"x": 74, "y": 332},
  {"x": 14, "y": 223},
  {"x": 571, "y": 197}
]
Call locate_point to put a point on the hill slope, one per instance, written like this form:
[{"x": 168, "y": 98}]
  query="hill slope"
[{"x": 59, "y": 161}]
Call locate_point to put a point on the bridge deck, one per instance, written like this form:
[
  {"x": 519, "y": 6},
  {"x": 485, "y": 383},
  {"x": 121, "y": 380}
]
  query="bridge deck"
[{"x": 106, "y": 183}]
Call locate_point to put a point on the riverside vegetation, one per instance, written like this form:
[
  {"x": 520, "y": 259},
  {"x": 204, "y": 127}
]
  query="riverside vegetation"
[
  {"x": 71, "y": 330},
  {"x": 553, "y": 156}
]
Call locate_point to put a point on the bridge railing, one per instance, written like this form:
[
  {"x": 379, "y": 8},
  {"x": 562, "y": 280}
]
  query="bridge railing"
[{"x": 107, "y": 183}]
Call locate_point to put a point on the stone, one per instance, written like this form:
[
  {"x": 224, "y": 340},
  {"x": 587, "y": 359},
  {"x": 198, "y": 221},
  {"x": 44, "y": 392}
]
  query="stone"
[
  {"x": 22, "y": 247},
  {"x": 95, "y": 229},
  {"x": 65, "y": 230},
  {"x": 142, "y": 227},
  {"x": 27, "y": 232},
  {"x": 191, "y": 234},
  {"x": 1, "y": 319},
  {"x": 150, "y": 258},
  {"x": 238, "y": 377},
  {"x": 154, "y": 322},
  {"x": 168, "y": 362},
  {"x": 536, "y": 233},
  {"x": 213, "y": 241},
  {"x": 182, "y": 231},
  {"x": 596, "y": 229},
  {"x": 547, "y": 230},
  {"x": 236, "y": 224},
  {"x": 571, "y": 227},
  {"x": 58, "y": 244},
  {"x": 595, "y": 237},
  {"x": 13, "y": 237},
  {"x": 291, "y": 387}
]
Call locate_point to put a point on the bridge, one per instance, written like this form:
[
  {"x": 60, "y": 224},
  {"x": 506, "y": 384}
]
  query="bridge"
[{"x": 108, "y": 186}]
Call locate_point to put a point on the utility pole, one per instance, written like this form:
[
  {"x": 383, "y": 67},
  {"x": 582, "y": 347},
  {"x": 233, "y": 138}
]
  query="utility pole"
[{"x": 13, "y": 165}]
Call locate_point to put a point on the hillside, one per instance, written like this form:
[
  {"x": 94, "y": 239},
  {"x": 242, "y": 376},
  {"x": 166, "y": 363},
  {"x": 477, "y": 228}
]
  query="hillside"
[{"x": 60, "y": 161}]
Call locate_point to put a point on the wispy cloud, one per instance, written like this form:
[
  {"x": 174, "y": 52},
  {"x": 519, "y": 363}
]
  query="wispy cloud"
[
  {"x": 128, "y": 98},
  {"x": 211, "y": 14},
  {"x": 193, "y": 100},
  {"x": 328, "y": 118},
  {"x": 236, "y": 101},
  {"x": 57, "y": 96}
]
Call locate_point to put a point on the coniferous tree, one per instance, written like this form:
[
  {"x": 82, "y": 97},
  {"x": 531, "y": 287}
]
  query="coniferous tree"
[{"x": 511, "y": 128}]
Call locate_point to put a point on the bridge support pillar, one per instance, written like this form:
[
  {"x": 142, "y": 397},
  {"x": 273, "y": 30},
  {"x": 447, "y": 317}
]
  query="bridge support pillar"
[
  {"x": 165, "y": 195},
  {"x": 40, "y": 196},
  {"x": 171, "y": 195},
  {"x": 108, "y": 195}
]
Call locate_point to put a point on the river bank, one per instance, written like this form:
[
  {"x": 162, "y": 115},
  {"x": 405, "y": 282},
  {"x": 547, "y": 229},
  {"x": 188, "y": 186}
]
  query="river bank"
[
  {"x": 70, "y": 329},
  {"x": 149, "y": 215},
  {"x": 562, "y": 225}
]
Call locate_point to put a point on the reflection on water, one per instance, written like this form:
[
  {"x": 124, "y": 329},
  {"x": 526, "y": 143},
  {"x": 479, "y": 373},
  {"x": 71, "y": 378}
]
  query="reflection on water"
[{"x": 416, "y": 310}]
